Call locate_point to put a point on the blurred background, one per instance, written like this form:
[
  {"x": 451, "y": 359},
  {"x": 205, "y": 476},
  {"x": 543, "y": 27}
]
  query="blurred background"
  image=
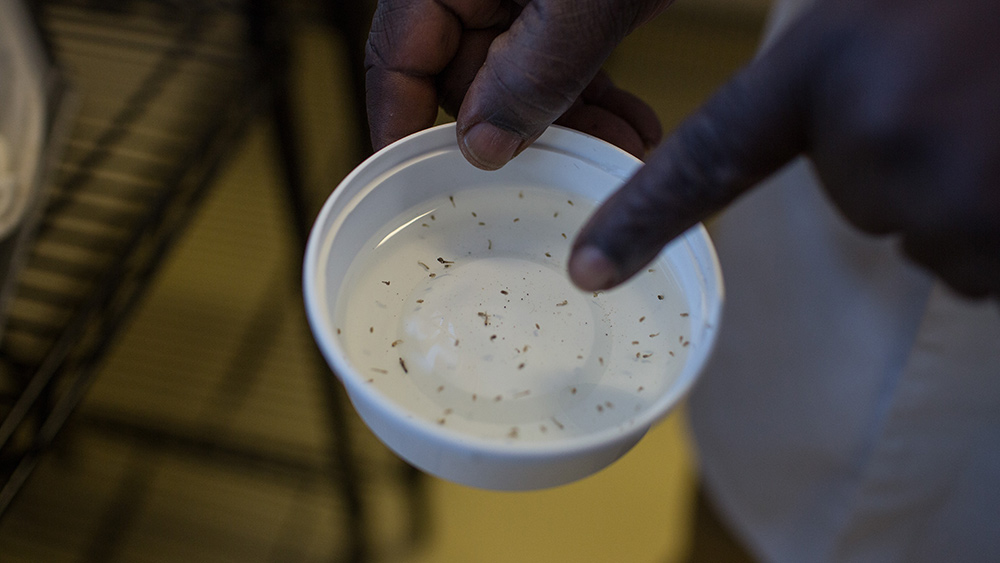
[{"x": 161, "y": 398}]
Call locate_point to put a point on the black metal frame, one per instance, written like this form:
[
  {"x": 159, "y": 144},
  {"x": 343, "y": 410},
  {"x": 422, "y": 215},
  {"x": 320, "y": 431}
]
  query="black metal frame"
[{"x": 48, "y": 358}]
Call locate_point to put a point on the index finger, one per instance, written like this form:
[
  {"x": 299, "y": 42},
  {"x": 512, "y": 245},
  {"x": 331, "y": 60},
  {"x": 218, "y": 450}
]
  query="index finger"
[
  {"x": 409, "y": 44},
  {"x": 751, "y": 127}
]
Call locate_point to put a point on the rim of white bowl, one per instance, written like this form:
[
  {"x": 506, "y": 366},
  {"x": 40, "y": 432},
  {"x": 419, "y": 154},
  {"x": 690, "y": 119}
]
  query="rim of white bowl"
[{"x": 559, "y": 139}]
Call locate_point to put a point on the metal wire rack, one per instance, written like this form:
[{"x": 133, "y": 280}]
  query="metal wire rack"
[{"x": 166, "y": 88}]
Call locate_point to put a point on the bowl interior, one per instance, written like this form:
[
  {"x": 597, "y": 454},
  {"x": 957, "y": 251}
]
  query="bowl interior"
[{"x": 437, "y": 292}]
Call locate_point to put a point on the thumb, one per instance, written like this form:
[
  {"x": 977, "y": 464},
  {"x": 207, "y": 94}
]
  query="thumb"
[
  {"x": 748, "y": 129},
  {"x": 536, "y": 70}
]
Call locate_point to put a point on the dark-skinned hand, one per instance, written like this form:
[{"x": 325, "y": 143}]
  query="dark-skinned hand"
[{"x": 896, "y": 102}]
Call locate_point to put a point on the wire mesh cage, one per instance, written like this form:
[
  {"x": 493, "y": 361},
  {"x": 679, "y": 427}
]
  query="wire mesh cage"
[{"x": 162, "y": 93}]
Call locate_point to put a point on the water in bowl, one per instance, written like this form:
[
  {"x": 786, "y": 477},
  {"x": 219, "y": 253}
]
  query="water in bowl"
[{"x": 461, "y": 312}]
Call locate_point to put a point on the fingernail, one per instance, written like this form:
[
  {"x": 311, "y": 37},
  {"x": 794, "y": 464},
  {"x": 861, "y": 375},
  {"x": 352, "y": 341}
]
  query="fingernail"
[
  {"x": 490, "y": 147},
  {"x": 591, "y": 270}
]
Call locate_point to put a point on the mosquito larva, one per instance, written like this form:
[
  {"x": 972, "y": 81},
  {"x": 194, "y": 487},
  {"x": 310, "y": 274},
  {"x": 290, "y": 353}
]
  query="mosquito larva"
[
  {"x": 562, "y": 304},
  {"x": 433, "y": 275},
  {"x": 452, "y": 199},
  {"x": 385, "y": 282},
  {"x": 489, "y": 244},
  {"x": 396, "y": 343},
  {"x": 441, "y": 421},
  {"x": 600, "y": 361},
  {"x": 513, "y": 432},
  {"x": 572, "y": 390},
  {"x": 642, "y": 319},
  {"x": 684, "y": 314},
  {"x": 548, "y": 255},
  {"x": 516, "y": 219},
  {"x": 443, "y": 261},
  {"x": 379, "y": 370},
  {"x": 521, "y": 366},
  {"x": 563, "y": 235},
  {"x": 520, "y": 195},
  {"x": 654, "y": 335},
  {"x": 493, "y": 337},
  {"x": 424, "y": 266},
  {"x": 338, "y": 331},
  {"x": 569, "y": 201},
  {"x": 402, "y": 364},
  {"x": 504, "y": 292},
  {"x": 420, "y": 300},
  {"x": 660, "y": 297},
  {"x": 557, "y": 423},
  {"x": 647, "y": 355},
  {"x": 371, "y": 329},
  {"x": 537, "y": 327},
  {"x": 635, "y": 343}
]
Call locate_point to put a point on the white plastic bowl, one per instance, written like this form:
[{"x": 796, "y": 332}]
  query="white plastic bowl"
[{"x": 566, "y": 430}]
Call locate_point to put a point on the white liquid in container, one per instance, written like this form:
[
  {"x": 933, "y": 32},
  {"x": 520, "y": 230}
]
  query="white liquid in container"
[{"x": 461, "y": 311}]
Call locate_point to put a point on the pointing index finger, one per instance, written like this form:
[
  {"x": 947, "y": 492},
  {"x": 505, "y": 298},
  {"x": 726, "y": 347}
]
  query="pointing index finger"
[{"x": 750, "y": 128}]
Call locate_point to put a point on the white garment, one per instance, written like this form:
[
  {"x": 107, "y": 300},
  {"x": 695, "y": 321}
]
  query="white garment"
[{"x": 851, "y": 412}]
